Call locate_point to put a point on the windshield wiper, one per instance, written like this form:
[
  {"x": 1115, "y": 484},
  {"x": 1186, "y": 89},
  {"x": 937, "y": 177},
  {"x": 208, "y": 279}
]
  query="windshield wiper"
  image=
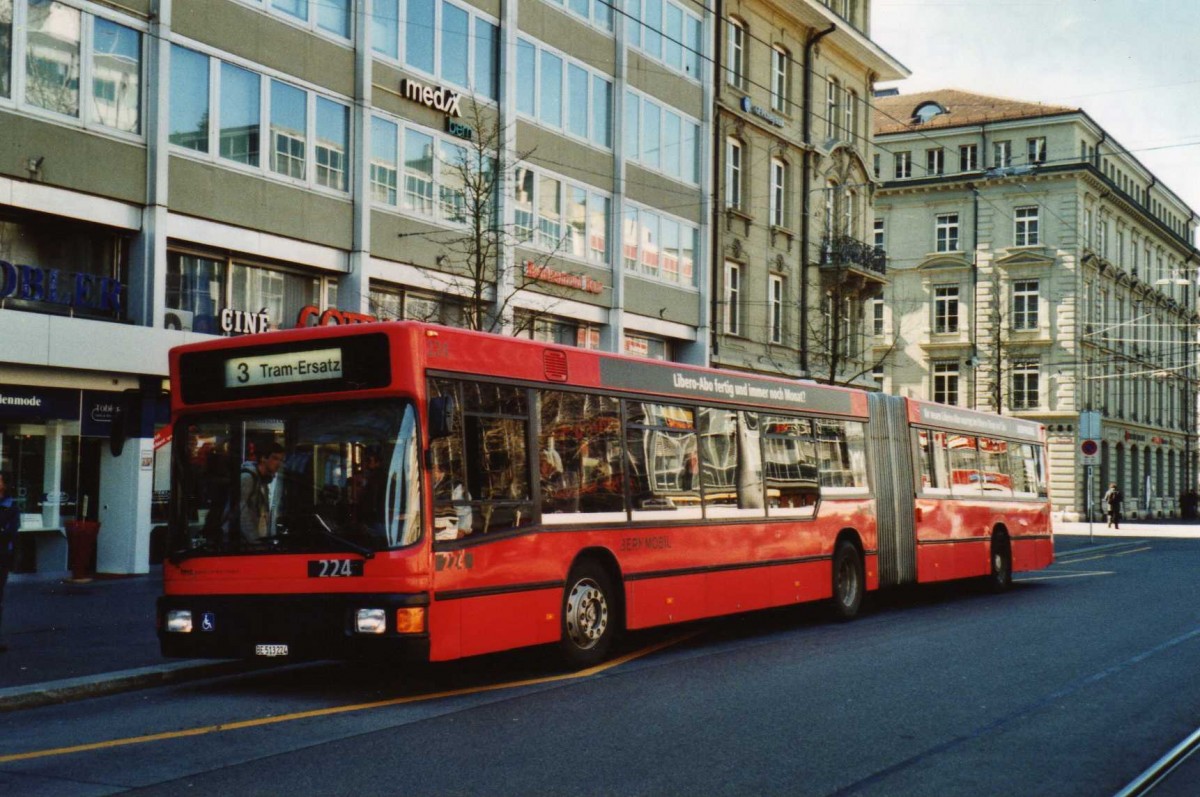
[{"x": 331, "y": 534}]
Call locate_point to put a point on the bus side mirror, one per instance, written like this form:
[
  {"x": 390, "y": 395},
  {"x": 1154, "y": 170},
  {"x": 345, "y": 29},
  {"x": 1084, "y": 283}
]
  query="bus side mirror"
[{"x": 442, "y": 410}]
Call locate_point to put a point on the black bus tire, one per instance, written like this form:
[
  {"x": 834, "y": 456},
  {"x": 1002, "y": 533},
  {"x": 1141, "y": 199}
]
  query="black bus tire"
[
  {"x": 1001, "y": 575},
  {"x": 849, "y": 581},
  {"x": 590, "y": 615}
]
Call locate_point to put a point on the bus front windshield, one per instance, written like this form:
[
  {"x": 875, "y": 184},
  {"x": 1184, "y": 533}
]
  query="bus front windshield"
[{"x": 301, "y": 479}]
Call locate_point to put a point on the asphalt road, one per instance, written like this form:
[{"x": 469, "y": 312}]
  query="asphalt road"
[{"x": 1073, "y": 683}]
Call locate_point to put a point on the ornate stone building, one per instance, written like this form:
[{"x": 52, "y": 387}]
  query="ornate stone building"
[
  {"x": 1038, "y": 269},
  {"x": 793, "y": 261}
]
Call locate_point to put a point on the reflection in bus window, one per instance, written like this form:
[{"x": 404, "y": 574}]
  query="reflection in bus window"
[
  {"x": 580, "y": 466},
  {"x": 487, "y": 463},
  {"x": 790, "y": 466},
  {"x": 664, "y": 467},
  {"x": 993, "y": 468},
  {"x": 841, "y": 449},
  {"x": 730, "y": 463},
  {"x": 964, "y": 465}
]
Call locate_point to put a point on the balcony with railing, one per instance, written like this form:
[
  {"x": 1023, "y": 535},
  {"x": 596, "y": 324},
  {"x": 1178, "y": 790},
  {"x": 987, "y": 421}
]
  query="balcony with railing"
[{"x": 842, "y": 252}]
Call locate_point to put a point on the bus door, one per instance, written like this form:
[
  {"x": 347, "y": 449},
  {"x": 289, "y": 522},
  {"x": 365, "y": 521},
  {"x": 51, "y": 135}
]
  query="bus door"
[{"x": 891, "y": 462}]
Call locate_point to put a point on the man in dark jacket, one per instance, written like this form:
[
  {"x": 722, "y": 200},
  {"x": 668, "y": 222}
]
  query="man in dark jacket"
[{"x": 10, "y": 523}]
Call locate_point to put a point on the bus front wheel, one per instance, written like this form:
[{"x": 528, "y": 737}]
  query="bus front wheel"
[
  {"x": 589, "y": 615},
  {"x": 848, "y": 581}
]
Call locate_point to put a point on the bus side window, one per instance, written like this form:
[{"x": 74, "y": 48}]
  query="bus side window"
[
  {"x": 579, "y": 457},
  {"x": 730, "y": 463},
  {"x": 790, "y": 466},
  {"x": 964, "y": 465},
  {"x": 496, "y": 420}
]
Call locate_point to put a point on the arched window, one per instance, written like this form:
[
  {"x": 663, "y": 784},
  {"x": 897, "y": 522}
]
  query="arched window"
[{"x": 926, "y": 111}]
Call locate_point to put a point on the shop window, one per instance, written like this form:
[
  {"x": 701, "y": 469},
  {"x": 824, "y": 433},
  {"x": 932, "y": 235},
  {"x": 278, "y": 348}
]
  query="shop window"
[
  {"x": 50, "y": 265},
  {"x": 281, "y": 295},
  {"x": 195, "y": 293}
]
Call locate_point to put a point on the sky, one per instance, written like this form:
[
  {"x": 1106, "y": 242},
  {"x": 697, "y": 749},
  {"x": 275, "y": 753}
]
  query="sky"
[{"x": 1128, "y": 63}]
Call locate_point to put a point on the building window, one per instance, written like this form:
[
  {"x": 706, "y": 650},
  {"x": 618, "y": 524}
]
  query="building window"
[
  {"x": 663, "y": 30},
  {"x": 1025, "y": 304},
  {"x": 233, "y": 123},
  {"x": 1036, "y": 149},
  {"x": 876, "y": 160},
  {"x": 1026, "y": 221},
  {"x": 395, "y": 304},
  {"x": 384, "y": 157},
  {"x": 596, "y": 12},
  {"x": 946, "y": 229},
  {"x": 880, "y": 235},
  {"x": 659, "y": 246},
  {"x": 733, "y": 291},
  {"x": 289, "y": 129},
  {"x": 733, "y": 173},
  {"x": 935, "y": 161},
  {"x": 780, "y": 78},
  {"x": 565, "y": 95},
  {"x": 659, "y": 138},
  {"x": 945, "y": 383},
  {"x": 647, "y": 347},
  {"x": 452, "y": 43},
  {"x": 333, "y": 141},
  {"x": 775, "y": 301},
  {"x": 877, "y": 324},
  {"x": 1025, "y": 385},
  {"x": 903, "y": 165},
  {"x": 833, "y": 92},
  {"x": 851, "y": 114},
  {"x": 968, "y": 158},
  {"x": 1002, "y": 154},
  {"x": 945, "y": 309},
  {"x": 778, "y": 201},
  {"x": 737, "y": 53},
  {"x": 66, "y": 49}
]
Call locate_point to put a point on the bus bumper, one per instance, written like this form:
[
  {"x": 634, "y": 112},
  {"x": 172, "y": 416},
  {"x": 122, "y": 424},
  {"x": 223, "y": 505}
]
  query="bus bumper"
[{"x": 288, "y": 627}]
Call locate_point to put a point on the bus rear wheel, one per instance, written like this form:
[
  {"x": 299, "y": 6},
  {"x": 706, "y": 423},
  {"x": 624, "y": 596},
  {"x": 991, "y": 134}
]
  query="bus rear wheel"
[
  {"x": 589, "y": 615},
  {"x": 849, "y": 582},
  {"x": 1001, "y": 576}
]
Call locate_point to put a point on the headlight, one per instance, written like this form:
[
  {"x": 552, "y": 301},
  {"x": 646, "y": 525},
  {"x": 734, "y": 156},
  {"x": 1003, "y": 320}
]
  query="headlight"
[
  {"x": 179, "y": 621},
  {"x": 370, "y": 621}
]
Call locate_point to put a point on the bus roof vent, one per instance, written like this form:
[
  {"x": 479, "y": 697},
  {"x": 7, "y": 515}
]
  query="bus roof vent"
[{"x": 554, "y": 363}]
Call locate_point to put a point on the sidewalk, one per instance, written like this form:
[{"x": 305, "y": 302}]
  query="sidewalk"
[{"x": 69, "y": 640}]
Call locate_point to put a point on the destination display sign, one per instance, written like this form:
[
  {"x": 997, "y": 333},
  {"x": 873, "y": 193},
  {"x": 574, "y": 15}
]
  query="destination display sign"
[
  {"x": 278, "y": 369},
  {"x": 262, "y": 370}
]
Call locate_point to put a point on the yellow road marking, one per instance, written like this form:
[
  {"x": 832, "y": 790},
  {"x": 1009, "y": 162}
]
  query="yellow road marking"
[{"x": 325, "y": 712}]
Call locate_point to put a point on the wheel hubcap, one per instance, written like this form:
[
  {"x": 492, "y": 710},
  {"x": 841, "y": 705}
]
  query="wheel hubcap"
[
  {"x": 847, "y": 582},
  {"x": 587, "y": 614}
]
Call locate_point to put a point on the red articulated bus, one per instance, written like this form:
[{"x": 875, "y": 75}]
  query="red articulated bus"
[{"x": 410, "y": 491}]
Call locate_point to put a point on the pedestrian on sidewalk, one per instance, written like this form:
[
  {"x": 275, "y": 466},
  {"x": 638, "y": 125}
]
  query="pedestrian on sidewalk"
[
  {"x": 1112, "y": 505},
  {"x": 10, "y": 523}
]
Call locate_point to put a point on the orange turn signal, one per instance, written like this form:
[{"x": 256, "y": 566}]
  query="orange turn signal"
[{"x": 410, "y": 620}]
